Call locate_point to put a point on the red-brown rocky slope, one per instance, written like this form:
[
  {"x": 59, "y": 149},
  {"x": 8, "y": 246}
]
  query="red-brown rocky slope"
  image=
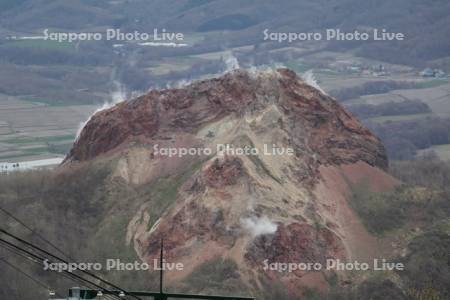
[{"x": 245, "y": 208}]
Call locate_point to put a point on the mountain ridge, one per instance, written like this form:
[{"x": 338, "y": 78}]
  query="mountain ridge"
[
  {"x": 245, "y": 209},
  {"x": 159, "y": 113}
]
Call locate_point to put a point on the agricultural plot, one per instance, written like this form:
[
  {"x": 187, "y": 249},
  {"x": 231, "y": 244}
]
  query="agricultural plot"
[{"x": 30, "y": 131}]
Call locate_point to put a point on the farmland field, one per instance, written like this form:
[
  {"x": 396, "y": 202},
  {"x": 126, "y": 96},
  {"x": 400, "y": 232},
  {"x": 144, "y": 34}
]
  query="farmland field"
[{"x": 30, "y": 131}]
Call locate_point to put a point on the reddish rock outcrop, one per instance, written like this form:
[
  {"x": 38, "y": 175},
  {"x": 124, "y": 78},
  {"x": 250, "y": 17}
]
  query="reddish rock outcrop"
[
  {"x": 318, "y": 125},
  {"x": 229, "y": 201},
  {"x": 295, "y": 243},
  {"x": 223, "y": 172}
]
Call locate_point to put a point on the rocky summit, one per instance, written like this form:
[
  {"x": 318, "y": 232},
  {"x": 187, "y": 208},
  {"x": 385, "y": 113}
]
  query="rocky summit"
[{"x": 260, "y": 167}]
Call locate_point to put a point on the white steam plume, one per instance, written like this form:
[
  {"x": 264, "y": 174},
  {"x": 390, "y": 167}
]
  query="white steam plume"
[
  {"x": 231, "y": 63},
  {"x": 117, "y": 95},
  {"x": 259, "y": 226},
  {"x": 310, "y": 79}
]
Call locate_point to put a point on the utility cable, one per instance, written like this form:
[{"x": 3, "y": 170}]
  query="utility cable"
[
  {"x": 9, "y": 214},
  {"x": 62, "y": 260}
]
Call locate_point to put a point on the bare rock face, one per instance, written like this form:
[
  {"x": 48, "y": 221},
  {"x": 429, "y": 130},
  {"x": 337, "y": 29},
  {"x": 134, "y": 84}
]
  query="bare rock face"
[
  {"x": 223, "y": 173},
  {"x": 296, "y": 242},
  {"x": 314, "y": 122},
  {"x": 268, "y": 205}
]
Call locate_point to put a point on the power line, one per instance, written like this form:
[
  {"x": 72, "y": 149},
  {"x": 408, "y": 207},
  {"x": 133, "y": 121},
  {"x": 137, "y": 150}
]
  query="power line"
[
  {"x": 17, "y": 269},
  {"x": 55, "y": 257},
  {"x": 60, "y": 259},
  {"x": 34, "y": 232},
  {"x": 42, "y": 260},
  {"x": 73, "y": 277},
  {"x": 121, "y": 292},
  {"x": 28, "y": 258},
  {"x": 69, "y": 277},
  {"x": 9, "y": 214}
]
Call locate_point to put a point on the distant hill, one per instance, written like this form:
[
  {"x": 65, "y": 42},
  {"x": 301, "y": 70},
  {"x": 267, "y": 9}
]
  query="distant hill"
[{"x": 424, "y": 23}]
